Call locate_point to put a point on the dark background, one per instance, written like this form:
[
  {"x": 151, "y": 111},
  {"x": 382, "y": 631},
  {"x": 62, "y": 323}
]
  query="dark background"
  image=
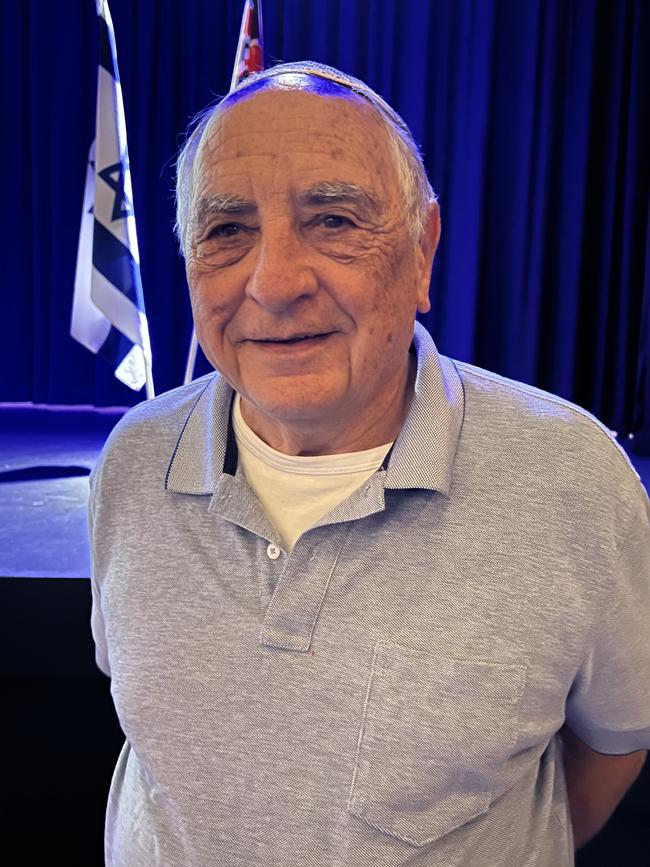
[{"x": 533, "y": 118}]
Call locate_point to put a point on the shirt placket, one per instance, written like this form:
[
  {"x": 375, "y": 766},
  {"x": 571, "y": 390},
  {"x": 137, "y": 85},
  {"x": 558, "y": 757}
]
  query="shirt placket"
[{"x": 302, "y": 583}]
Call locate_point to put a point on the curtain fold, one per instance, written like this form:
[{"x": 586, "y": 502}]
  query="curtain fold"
[{"x": 533, "y": 121}]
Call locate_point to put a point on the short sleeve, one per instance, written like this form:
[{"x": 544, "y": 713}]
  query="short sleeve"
[
  {"x": 96, "y": 615},
  {"x": 609, "y": 704}
]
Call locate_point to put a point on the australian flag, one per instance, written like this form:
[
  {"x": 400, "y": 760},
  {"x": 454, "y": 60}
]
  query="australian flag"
[
  {"x": 108, "y": 315},
  {"x": 250, "y": 49}
]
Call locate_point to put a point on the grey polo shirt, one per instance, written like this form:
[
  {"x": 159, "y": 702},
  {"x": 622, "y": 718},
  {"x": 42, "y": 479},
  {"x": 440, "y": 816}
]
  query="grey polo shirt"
[{"x": 389, "y": 693}]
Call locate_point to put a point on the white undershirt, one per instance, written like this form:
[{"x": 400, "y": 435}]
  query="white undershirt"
[{"x": 297, "y": 491}]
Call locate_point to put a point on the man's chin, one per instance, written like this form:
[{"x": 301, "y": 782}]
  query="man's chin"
[
  {"x": 289, "y": 404},
  {"x": 284, "y": 409}
]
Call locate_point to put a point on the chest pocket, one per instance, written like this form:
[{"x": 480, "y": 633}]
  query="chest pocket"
[{"x": 434, "y": 733}]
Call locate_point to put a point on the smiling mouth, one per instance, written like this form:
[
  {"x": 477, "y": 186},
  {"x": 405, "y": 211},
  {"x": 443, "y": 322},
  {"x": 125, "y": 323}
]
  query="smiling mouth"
[{"x": 289, "y": 341}]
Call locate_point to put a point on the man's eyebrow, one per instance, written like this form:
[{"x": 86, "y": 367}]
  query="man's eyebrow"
[
  {"x": 226, "y": 205},
  {"x": 335, "y": 192}
]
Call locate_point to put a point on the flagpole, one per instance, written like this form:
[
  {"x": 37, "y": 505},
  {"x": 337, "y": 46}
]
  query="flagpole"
[
  {"x": 191, "y": 359},
  {"x": 148, "y": 383},
  {"x": 250, "y": 32}
]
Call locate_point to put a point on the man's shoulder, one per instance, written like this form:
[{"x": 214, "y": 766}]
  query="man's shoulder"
[
  {"x": 153, "y": 427},
  {"x": 524, "y": 405},
  {"x": 161, "y": 413},
  {"x": 534, "y": 422}
]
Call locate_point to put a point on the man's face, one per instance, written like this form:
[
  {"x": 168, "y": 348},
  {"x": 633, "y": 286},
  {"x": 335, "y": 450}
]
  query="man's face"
[{"x": 303, "y": 275}]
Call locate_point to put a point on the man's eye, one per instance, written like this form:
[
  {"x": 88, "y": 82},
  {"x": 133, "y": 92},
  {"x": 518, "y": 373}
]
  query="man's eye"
[
  {"x": 226, "y": 230},
  {"x": 334, "y": 221}
]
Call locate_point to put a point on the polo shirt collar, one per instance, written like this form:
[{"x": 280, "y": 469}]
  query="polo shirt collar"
[
  {"x": 424, "y": 451},
  {"x": 422, "y": 456},
  {"x": 199, "y": 459}
]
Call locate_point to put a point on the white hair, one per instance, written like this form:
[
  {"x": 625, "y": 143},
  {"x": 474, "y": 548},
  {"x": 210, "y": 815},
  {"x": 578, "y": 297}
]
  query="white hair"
[{"x": 411, "y": 174}]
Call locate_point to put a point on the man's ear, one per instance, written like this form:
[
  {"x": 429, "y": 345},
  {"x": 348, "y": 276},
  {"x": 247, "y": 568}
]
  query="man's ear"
[{"x": 428, "y": 246}]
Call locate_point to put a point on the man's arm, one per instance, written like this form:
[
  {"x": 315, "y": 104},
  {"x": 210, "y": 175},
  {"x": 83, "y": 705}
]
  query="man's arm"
[{"x": 595, "y": 783}]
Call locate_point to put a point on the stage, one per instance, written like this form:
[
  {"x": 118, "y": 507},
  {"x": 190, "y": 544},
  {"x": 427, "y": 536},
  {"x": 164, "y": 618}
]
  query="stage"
[
  {"x": 61, "y": 735},
  {"x": 60, "y": 732}
]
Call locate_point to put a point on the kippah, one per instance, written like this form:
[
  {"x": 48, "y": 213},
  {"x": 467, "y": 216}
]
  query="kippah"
[
  {"x": 308, "y": 67},
  {"x": 327, "y": 73}
]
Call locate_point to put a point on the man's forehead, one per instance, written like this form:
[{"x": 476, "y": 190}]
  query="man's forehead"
[
  {"x": 309, "y": 113},
  {"x": 294, "y": 138}
]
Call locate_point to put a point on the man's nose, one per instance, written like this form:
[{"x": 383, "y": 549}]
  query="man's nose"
[{"x": 283, "y": 271}]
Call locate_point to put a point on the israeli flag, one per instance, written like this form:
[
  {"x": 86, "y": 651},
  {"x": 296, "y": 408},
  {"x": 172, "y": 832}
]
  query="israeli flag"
[{"x": 108, "y": 315}]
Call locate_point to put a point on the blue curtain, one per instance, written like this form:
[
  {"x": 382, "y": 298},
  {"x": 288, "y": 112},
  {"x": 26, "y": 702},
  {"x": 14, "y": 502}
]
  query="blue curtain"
[{"x": 534, "y": 122}]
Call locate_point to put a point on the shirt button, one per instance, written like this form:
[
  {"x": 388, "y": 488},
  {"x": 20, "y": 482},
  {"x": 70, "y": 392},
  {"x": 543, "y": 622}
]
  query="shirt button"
[{"x": 273, "y": 552}]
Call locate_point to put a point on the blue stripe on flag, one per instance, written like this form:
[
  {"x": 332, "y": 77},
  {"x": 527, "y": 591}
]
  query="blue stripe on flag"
[
  {"x": 114, "y": 261},
  {"x": 115, "y": 348},
  {"x": 107, "y": 57}
]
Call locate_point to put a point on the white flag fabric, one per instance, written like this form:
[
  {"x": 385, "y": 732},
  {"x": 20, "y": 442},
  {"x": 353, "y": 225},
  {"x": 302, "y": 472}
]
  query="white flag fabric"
[{"x": 108, "y": 315}]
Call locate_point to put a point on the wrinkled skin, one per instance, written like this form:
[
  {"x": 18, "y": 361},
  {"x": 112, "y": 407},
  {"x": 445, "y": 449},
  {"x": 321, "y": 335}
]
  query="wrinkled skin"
[{"x": 346, "y": 272}]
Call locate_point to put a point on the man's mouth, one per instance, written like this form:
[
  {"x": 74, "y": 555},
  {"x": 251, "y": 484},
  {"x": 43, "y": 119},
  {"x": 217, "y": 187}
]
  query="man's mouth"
[{"x": 294, "y": 338}]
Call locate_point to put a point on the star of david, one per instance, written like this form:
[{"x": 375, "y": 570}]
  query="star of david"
[{"x": 114, "y": 177}]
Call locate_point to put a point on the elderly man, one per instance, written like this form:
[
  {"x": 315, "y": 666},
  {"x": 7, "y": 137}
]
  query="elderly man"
[{"x": 361, "y": 605}]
